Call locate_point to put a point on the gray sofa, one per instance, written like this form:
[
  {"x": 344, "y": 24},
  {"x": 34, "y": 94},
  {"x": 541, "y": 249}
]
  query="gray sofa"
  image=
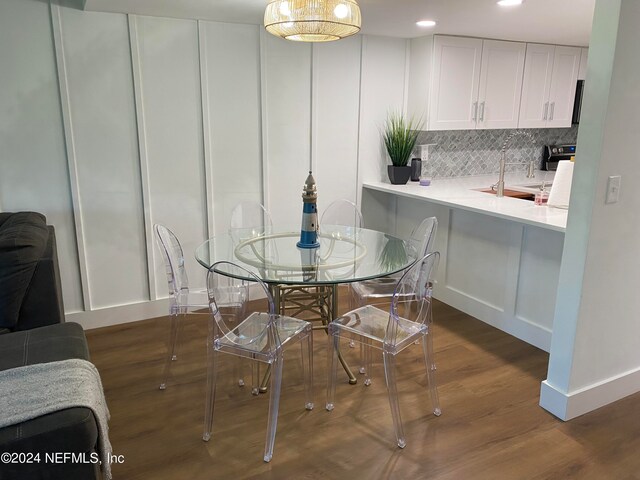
[{"x": 32, "y": 330}]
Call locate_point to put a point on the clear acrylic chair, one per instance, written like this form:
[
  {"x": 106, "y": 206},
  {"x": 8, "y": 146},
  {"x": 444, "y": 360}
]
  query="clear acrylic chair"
[
  {"x": 341, "y": 218},
  {"x": 342, "y": 212},
  {"x": 381, "y": 289},
  {"x": 249, "y": 219},
  {"x": 236, "y": 328},
  {"x": 408, "y": 319},
  {"x": 182, "y": 300}
]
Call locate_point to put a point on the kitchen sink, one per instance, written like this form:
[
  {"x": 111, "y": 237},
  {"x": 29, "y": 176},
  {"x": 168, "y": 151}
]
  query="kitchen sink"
[
  {"x": 520, "y": 191},
  {"x": 532, "y": 188},
  {"x": 510, "y": 192}
]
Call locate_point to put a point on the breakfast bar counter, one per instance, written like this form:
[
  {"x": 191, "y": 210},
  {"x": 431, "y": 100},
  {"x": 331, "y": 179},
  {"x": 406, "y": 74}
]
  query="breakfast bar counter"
[
  {"x": 500, "y": 257},
  {"x": 465, "y": 193}
]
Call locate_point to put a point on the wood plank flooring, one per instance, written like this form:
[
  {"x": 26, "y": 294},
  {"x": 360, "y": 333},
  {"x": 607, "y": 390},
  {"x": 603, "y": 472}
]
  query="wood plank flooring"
[{"x": 491, "y": 426}]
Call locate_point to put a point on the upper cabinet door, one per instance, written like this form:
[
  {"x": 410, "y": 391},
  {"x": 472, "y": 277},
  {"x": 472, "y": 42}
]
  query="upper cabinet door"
[
  {"x": 562, "y": 95},
  {"x": 584, "y": 56},
  {"x": 500, "y": 84},
  {"x": 534, "y": 105},
  {"x": 456, "y": 75}
]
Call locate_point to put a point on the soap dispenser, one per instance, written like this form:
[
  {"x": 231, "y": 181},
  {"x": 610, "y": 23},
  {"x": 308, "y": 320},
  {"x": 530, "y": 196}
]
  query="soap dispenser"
[{"x": 542, "y": 196}]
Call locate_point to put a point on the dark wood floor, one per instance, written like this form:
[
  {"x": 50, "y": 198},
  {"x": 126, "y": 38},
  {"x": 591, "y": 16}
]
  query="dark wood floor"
[{"x": 491, "y": 426}]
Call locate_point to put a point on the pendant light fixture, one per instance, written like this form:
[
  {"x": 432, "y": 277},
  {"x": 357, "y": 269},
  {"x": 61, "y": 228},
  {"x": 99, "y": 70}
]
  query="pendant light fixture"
[{"x": 312, "y": 20}]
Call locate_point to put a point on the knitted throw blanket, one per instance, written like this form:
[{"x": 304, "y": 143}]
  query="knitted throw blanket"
[{"x": 35, "y": 390}]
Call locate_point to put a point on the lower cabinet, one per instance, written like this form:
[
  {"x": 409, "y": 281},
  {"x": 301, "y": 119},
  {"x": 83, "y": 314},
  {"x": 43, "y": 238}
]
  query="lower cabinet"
[{"x": 504, "y": 273}]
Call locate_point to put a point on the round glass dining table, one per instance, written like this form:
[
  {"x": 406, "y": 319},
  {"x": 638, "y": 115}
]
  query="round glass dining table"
[{"x": 346, "y": 254}]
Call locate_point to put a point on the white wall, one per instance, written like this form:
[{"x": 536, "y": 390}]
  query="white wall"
[
  {"x": 110, "y": 123},
  {"x": 595, "y": 357}
]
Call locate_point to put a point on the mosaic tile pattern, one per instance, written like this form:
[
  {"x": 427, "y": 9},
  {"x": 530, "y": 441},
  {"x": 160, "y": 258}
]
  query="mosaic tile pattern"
[{"x": 460, "y": 153}]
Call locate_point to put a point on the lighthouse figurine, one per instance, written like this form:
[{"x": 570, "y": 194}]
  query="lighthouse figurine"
[{"x": 309, "y": 230}]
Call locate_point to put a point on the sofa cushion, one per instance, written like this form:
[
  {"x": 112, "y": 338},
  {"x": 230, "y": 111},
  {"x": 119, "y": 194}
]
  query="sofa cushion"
[
  {"x": 23, "y": 239},
  {"x": 4, "y": 216},
  {"x": 70, "y": 430},
  {"x": 45, "y": 344}
]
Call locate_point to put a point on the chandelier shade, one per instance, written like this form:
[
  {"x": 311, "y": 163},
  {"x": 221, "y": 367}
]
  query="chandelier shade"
[{"x": 312, "y": 20}]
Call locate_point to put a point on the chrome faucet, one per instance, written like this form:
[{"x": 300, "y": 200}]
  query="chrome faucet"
[{"x": 503, "y": 162}]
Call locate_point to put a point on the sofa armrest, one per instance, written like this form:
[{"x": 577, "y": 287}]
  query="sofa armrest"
[
  {"x": 23, "y": 240},
  {"x": 42, "y": 303},
  {"x": 72, "y": 430}
]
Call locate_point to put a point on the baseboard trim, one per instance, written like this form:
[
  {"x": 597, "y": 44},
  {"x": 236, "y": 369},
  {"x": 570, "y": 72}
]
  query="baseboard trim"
[
  {"x": 105, "y": 317},
  {"x": 567, "y": 406},
  {"x": 116, "y": 315}
]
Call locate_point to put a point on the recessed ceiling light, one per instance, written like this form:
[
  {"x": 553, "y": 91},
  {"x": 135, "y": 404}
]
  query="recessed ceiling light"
[
  {"x": 426, "y": 23},
  {"x": 509, "y": 3}
]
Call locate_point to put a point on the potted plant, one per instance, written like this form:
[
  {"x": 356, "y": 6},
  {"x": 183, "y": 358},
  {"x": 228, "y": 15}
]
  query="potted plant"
[{"x": 400, "y": 137}]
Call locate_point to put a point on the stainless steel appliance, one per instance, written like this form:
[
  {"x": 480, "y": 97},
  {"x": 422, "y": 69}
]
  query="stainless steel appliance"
[
  {"x": 577, "y": 104},
  {"x": 554, "y": 153}
]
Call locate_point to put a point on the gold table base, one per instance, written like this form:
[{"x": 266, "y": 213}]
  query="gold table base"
[{"x": 300, "y": 300}]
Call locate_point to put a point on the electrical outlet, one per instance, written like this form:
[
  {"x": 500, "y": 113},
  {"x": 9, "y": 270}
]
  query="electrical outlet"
[{"x": 613, "y": 189}]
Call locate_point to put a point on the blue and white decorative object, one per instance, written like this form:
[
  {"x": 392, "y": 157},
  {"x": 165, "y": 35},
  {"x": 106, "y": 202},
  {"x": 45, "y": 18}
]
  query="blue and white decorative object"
[{"x": 309, "y": 230}]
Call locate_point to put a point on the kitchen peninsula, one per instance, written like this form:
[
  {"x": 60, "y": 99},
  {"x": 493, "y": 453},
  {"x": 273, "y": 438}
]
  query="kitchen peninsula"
[{"x": 500, "y": 257}]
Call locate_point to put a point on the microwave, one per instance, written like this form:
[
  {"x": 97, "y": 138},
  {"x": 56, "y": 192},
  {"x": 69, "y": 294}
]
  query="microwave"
[{"x": 577, "y": 104}]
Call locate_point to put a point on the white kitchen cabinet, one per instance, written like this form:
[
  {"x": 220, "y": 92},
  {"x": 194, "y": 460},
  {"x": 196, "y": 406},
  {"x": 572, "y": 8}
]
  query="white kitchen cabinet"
[
  {"x": 501, "y": 73},
  {"x": 564, "y": 79},
  {"x": 534, "y": 105},
  {"x": 584, "y": 56},
  {"x": 458, "y": 83},
  {"x": 455, "y": 80},
  {"x": 461, "y": 83},
  {"x": 549, "y": 86}
]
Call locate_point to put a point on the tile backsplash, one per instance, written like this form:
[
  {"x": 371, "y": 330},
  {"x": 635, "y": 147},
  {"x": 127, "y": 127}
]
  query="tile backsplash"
[{"x": 460, "y": 153}]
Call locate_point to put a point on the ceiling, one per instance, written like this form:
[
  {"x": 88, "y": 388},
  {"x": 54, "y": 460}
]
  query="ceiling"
[{"x": 566, "y": 22}]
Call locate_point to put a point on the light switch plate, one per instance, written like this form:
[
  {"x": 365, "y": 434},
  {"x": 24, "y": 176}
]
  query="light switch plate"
[{"x": 613, "y": 189}]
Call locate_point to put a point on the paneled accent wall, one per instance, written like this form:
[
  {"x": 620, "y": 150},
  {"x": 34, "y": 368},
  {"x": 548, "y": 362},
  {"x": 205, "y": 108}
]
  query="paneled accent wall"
[
  {"x": 33, "y": 159},
  {"x": 287, "y": 110},
  {"x": 336, "y": 71},
  {"x": 101, "y": 108},
  {"x": 110, "y": 123},
  {"x": 166, "y": 70},
  {"x": 230, "y": 66}
]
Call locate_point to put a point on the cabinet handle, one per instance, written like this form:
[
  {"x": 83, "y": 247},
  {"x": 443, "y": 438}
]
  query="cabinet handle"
[
  {"x": 475, "y": 111},
  {"x": 546, "y": 110},
  {"x": 553, "y": 107},
  {"x": 482, "y": 112}
]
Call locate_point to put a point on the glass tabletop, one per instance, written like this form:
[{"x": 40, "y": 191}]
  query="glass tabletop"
[{"x": 346, "y": 254}]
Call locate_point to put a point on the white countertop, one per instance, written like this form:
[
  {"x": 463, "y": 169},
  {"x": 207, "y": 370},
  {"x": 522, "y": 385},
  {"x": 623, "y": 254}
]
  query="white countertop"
[{"x": 462, "y": 193}]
